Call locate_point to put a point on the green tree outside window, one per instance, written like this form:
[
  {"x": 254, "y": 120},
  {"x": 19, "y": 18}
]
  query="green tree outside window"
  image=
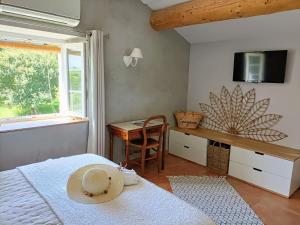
[{"x": 28, "y": 82}]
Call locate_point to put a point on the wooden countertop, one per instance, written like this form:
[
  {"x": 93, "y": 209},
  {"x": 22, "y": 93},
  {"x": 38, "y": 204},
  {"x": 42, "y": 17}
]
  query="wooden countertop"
[{"x": 279, "y": 151}]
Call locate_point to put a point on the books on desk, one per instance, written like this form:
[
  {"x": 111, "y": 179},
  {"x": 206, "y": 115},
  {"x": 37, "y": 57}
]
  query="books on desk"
[{"x": 141, "y": 123}]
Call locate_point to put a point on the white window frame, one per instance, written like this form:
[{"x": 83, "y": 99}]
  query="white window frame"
[{"x": 65, "y": 82}]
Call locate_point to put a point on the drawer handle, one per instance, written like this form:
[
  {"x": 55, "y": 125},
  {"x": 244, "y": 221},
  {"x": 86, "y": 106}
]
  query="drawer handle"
[
  {"x": 259, "y": 170},
  {"x": 259, "y": 153},
  {"x": 186, "y": 133},
  {"x": 186, "y": 146}
]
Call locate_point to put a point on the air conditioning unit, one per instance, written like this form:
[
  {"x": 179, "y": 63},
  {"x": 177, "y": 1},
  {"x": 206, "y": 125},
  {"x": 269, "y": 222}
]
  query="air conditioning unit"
[{"x": 65, "y": 13}]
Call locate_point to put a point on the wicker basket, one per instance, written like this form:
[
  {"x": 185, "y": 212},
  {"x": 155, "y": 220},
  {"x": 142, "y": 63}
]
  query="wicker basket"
[
  {"x": 189, "y": 120},
  {"x": 218, "y": 157}
]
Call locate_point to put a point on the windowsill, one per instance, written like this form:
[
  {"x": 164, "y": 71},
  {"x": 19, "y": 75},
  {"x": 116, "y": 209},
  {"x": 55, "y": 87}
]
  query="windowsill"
[{"x": 24, "y": 123}]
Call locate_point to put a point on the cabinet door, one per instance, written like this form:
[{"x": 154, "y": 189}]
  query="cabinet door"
[
  {"x": 198, "y": 149},
  {"x": 190, "y": 147}
]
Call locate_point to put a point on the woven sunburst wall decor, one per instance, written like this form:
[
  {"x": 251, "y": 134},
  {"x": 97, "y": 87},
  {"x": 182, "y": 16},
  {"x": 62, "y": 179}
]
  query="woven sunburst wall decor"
[{"x": 240, "y": 114}]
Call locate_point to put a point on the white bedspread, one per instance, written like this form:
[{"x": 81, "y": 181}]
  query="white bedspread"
[
  {"x": 141, "y": 204},
  {"x": 20, "y": 204}
]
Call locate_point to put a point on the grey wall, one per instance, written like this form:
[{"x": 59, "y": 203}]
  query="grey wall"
[
  {"x": 211, "y": 67},
  {"x": 27, "y": 146},
  {"x": 159, "y": 83}
]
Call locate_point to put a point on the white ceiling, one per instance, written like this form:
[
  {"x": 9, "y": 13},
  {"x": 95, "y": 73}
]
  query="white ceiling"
[{"x": 278, "y": 24}]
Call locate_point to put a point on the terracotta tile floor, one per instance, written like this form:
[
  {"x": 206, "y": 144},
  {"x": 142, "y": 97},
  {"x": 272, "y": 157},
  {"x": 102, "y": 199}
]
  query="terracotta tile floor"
[{"x": 271, "y": 208}]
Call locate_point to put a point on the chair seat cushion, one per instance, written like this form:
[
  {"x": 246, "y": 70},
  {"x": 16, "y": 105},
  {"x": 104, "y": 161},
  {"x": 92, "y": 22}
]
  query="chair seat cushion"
[{"x": 150, "y": 142}]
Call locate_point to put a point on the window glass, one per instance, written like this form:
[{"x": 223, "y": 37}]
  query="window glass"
[
  {"x": 29, "y": 82},
  {"x": 255, "y": 66},
  {"x": 75, "y": 77}
]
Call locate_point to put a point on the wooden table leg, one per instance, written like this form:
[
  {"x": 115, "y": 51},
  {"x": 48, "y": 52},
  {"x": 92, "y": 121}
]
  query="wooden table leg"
[
  {"x": 111, "y": 145},
  {"x": 163, "y": 151},
  {"x": 126, "y": 152}
]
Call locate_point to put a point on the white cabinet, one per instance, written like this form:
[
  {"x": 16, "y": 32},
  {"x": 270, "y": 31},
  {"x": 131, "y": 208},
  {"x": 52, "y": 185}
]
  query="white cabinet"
[
  {"x": 272, "y": 167},
  {"x": 271, "y": 173},
  {"x": 188, "y": 146}
]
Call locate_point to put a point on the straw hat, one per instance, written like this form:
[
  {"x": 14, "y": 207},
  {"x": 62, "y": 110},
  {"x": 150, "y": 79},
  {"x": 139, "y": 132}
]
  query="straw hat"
[{"x": 95, "y": 183}]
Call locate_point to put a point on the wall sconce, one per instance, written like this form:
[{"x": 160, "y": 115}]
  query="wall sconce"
[{"x": 132, "y": 59}]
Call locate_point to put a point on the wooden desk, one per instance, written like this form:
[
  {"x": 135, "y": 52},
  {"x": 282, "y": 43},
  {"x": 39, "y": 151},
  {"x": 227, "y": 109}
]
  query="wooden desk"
[{"x": 132, "y": 130}]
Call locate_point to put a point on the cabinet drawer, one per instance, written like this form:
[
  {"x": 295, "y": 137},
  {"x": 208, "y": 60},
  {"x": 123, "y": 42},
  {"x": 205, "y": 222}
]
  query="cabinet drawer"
[
  {"x": 179, "y": 137},
  {"x": 274, "y": 165},
  {"x": 197, "y": 143},
  {"x": 187, "y": 139},
  {"x": 261, "y": 178},
  {"x": 177, "y": 148},
  {"x": 189, "y": 147},
  {"x": 198, "y": 147},
  {"x": 177, "y": 143}
]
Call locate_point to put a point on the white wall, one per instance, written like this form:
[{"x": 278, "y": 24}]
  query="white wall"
[{"x": 211, "y": 66}]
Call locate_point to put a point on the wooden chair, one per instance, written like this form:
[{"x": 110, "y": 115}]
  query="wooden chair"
[{"x": 152, "y": 139}]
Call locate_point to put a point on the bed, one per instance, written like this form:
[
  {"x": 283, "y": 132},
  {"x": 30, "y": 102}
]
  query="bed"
[{"x": 36, "y": 194}]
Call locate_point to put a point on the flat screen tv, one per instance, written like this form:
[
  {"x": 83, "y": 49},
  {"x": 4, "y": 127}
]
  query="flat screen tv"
[{"x": 260, "y": 66}]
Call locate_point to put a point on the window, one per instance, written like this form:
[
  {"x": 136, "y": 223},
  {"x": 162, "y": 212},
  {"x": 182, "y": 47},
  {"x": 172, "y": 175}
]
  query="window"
[
  {"x": 255, "y": 66},
  {"x": 40, "y": 79},
  {"x": 76, "y": 82}
]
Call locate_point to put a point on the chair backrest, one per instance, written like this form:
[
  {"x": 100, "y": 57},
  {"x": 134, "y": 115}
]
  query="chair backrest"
[{"x": 150, "y": 131}]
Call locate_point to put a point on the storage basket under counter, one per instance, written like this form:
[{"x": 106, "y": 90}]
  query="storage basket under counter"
[{"x": 218, "y": 156}]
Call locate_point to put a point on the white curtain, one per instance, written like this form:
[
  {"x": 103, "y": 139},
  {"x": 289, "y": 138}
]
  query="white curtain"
[{"x": 95, "y": 93}]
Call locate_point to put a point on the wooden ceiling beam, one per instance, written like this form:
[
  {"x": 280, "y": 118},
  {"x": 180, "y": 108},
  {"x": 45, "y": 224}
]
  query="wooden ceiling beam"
[{"x": 206, "y": 11}]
